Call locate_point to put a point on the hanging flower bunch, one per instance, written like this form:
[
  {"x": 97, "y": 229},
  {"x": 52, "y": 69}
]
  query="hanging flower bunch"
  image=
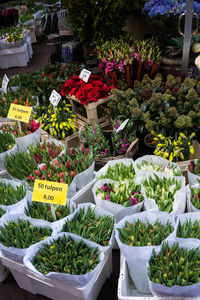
[
  {"x": 91, "y": 91},
  {"x": 194, "y": 167}
]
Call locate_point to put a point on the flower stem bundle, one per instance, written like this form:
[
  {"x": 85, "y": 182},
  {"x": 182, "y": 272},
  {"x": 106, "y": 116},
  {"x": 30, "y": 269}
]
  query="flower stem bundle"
[
  {"x": 162, "y": 190},
  {"x": 86, "y": 224},
  {"x": 139, "y": 234},
  {"x": 6, "y": 141},
  {"x": 66, "y": 256},
  {"x": 189, "y": 229},
  {"x": 19, "y": 164},
  {"x": 10, "y": 195},
  {"x": 175, "y": 266},
  {"x": 152, "y": 166},
  {"x": 22, "y": 234},
  {"x": 45, "y": 152},
  {"x": 124, "y": 193},
  {"x": 119, "y": 172},
  {"x": 195, "y": 197},
  {"x": 38, "y": 210}
]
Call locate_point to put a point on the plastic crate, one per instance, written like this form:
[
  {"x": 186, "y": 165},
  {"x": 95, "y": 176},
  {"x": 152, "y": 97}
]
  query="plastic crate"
[
  {"x": 127, "y": 290},
  {"x": 55, "y": 289}
]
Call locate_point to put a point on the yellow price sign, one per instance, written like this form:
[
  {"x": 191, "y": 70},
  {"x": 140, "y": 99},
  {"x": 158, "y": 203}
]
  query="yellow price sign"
[
  {"x": 50, "y": 192},
  {"x": 19, "y": 112}
]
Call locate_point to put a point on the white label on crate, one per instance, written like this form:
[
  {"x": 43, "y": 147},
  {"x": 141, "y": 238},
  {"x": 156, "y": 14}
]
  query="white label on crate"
[
  {"x": 121, "y": 127},
  {"x": 5, "y": 83},
  {"x": 54, "y": 98},
  {"x": 85, "y": 75}
]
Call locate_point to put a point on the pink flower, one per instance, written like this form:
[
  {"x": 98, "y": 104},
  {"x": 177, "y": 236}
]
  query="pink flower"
[
  {"x": 107, "y": 197},
  {"x": 103, "y": 188},
  {"x": 134, "y": 201},
  {"x": 61, "y": 175},
  {"x": 196, "y": 197}
]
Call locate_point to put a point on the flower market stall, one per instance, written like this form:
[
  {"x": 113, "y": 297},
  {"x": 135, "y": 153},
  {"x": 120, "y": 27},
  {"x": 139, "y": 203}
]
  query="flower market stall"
[{"x": 100, "y": 170}]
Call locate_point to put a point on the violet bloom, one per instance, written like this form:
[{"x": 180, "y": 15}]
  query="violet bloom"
[
  {"x": 104, "y": 60},
  {"x": 190, "y": 166},
  {"x": 103, "y": 188},
  {"x": 101, "y": 65},
  {"x": 196, "y": 197},
  {"x": 127, "y": 145},
  {"x": 98, "y": 139},
  {"x": 195, "y": 169},
  {"x": 102, "y": 153},
  {"x": 105, "y": 150},
  {"x": 94, "y": 130},
  {"x": 134, "y": 201}
]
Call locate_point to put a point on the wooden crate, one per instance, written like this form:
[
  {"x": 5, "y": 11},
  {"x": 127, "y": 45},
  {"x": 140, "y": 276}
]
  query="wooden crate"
[
  {"x": 70, "y": 141},
  {"x": 90, "y": 109}
]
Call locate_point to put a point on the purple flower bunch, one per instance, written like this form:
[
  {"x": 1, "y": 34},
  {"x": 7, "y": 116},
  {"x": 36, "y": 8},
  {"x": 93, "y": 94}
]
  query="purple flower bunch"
[
  {"x": 94, "y": 138},
  {"x": 126, "y": 194},
  {"x": 168, "y": 7},
  {"x": 122, "y": 140}
]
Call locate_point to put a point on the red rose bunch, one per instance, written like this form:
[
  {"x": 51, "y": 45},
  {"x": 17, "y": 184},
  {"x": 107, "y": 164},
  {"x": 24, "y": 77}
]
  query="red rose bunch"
[{"x": 93, "y": 90}]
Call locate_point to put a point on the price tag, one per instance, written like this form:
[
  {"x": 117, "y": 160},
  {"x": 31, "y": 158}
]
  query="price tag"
[
  {"x": 85, "y": 75},
  {"x": 54, "y": 98},
  {"x": 19, "y": 112},
  {"x": 5, "y": 83},
  {"x": 50, "y": 192},
  {"x": 121, "y": 127}
]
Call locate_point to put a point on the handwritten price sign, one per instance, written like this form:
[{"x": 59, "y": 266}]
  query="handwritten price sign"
[
  {"x": 50, "y": 192},
  {"x": 20, "y": 113}
]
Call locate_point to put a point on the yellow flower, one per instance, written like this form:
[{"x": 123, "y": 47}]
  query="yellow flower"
[
  {"x": 166, "y": 154},
  {"x": 183, "y": 135},
  {"x": 171, "y": 157},
  {"x": 160, "y": 135},
  {"x": 181, "y": 155},
  {"x": 191, "y": 149}
]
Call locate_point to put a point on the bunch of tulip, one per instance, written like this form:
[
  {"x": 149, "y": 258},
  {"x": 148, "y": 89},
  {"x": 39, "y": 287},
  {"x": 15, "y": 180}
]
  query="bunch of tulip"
[
  {"x": 125, "y": 193},
  {"x": 38, "y": 210},
  {"x": 189, "y": 229},
  {"x": 139, "y": 234},
  {"x": 174, "y": 266},
  {"x": 6, "y": 141},
  {"x": 151, "y": 166},
  {"x": 194, "y": 167},
  {"x": 122, "y": 140},
  {"x": 176, "y": 149},
  {"x": 195, "y": 197},
  {"x": 65, "y": 167},
  {"x": 93, "y": 136},
  {"x": 10, "y": 195},
  {"x": 162, "y": 190},
  {"x": 45, "y": 152},
  {"x": 66, "y": 256},
  {"x": 119, "y": 172},
  {"x": 20, "y": 164},
  {"x": 31, "y": 127},
  {"x": 22, "y": 234},
  {"x": 85, "y": 223}
]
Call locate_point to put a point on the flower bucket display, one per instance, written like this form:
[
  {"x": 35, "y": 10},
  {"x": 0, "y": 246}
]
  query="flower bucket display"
[
  {"x": 120, "y": 198},
  {"x": 162, "y": 282},
  {"x": 136, "y": 236},
  {"x": 18, "y": 233},
  {"x": 78, "y": 252},
  {"x": 164, "y": 193}
]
